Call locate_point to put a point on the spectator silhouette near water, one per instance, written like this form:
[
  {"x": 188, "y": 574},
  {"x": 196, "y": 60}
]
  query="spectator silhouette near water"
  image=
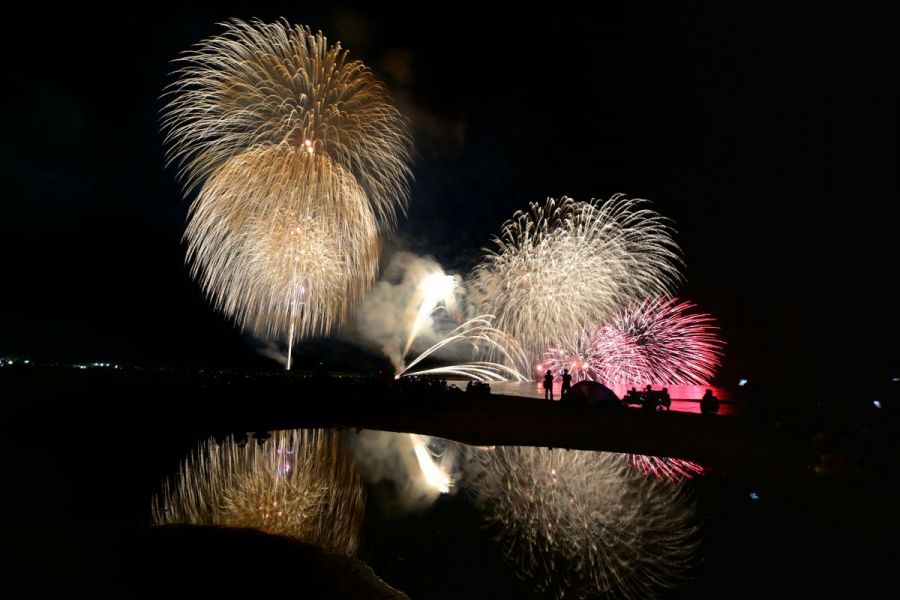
[
  {"x": 709, "y": 404},
  {"x": 664, "y": 400},
  {"x": 632, "y": 397},
  {"x": 548, "y": 385},
  {"x": 566, "y": 384},
  {"x": 649, "y": 400},
  {"x": 478, "y": 387}
]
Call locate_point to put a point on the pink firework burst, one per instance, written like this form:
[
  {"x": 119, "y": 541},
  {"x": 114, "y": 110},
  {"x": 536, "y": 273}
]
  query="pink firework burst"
[{"x": 659, "y": 341}]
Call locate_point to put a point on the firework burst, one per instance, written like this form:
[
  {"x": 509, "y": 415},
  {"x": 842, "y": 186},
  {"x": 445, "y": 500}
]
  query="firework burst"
[
  {"x": 270, "y": 84},
  {"x": 658, "y": 341},
  {"x": 300, "y": 158},
  {"x": 584, "y": 524},
  {"x": 587, "y": 355},
  {"x": 566, "y": 264},
  {"x": 283, "y": 254},
  {"x": 302, "y": 484}
]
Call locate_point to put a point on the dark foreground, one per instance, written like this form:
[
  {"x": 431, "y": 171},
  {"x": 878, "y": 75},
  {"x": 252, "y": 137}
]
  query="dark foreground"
[
  {"x": 202, "y": 404},
  {"x": 193, "y": 562},
  {"x": 85, "y": 452}
]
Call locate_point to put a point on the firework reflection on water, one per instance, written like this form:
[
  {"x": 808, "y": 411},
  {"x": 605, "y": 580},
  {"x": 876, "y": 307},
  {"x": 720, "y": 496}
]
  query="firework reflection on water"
[
  {"x": 301, "y": 483},
  {"x": 574, "y": 523},
  {"x": 582, "y": 524}
]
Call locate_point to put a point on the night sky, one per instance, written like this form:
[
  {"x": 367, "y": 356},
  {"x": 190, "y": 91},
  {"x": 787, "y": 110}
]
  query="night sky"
[{"x": 770, "y": 138}]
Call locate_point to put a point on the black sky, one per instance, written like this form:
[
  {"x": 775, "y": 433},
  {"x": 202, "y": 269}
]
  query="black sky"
[{"x": 769, "y": 136}]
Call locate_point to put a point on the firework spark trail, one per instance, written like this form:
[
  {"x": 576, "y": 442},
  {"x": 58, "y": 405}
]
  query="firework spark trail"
[
  {"x": 302, "y": 484},
  {"x": 566, "y": 264},
  {"x": 300, "y": 158},
  {"x": 484, "y": 372},
  {"x": 484, "y": 339},
  {"x": 584, "y": 524},
  {"x": 659, "y": 341},
  {"x": 434, "y": 289}
]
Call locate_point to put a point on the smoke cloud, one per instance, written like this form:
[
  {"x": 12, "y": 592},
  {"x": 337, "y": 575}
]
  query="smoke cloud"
[
  {"x": 386, "y": 316},
  {"x": 268, "y": 349}
]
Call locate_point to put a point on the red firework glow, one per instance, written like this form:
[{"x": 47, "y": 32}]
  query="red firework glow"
[
  {"x": 656, "y": 341},
  {"x": 674, "y": 469}
]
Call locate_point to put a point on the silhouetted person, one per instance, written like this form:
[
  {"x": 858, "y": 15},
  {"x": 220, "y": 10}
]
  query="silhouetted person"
[
  {"x": 709, "y": 404},
  {"x": 649, "y": 400},
  {"x": 566, "y": 384},
  {"x": 632, "y": 397},
  {"x": 548, "y": 385},
  {"x": 664, "y": 399}
]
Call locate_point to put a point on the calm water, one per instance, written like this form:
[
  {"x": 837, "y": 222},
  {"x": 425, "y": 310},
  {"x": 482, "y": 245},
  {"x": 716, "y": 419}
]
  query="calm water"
[{"x": 524, "y": 522}]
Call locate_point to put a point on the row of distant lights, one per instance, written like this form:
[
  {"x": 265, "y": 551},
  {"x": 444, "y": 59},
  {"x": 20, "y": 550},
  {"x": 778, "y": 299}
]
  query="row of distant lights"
[
  {"x": 741, "y": 382},
  {"x": 10, "y": 362},
  {"x": 97, "y": 365}
]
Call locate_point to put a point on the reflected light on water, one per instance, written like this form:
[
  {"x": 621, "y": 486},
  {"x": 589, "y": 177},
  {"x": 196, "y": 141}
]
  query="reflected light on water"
[
  {"x": 580, "y": 523},
  {"x": 302, "y": 484}
]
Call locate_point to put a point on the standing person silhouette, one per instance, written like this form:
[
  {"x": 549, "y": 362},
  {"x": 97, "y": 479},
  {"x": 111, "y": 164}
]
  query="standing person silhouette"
[
  {"x": 650, "y": 399},
  {"x": 566, "y": 384},
  {"x": 548, "y": 385}
]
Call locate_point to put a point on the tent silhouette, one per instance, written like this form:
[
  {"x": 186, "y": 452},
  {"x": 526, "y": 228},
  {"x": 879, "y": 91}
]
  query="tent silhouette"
[{"x": 592, "y": 392}]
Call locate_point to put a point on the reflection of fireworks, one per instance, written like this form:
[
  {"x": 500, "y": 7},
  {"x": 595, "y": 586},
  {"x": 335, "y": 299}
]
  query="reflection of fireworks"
[
  {"x": 301, "y": 157},
  {"x": 584, "y": 523},
  {"x": 435, "y": 475},
  {"x": 302, "y": 484},
  {"x": 674, "y": 469},
  {"x": 566, "y": 264},
  {"x": 656, "y": 341},
  {"x": 419, "y": 468}
]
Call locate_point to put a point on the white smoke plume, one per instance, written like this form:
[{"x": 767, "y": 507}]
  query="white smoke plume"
[
  {"x": 268, "y": 349},
  {"x": 388, "y": 314}
]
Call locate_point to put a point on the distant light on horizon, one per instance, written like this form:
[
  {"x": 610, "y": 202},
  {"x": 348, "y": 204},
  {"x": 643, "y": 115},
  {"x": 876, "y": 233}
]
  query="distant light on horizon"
[
  {"x": 876, "y": 403},
  {"x": 96, "y": 365},
  {"x": 742, "y": 382}
]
